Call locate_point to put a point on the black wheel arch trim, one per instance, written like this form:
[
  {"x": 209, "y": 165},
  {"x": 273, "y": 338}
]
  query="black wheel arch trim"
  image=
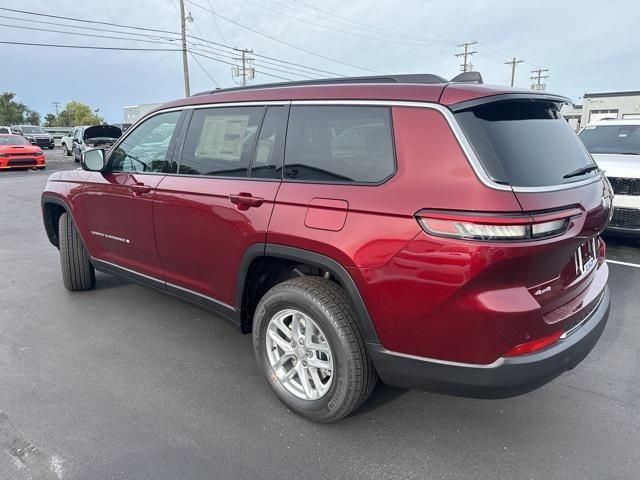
[
  {"x": 49, "y": 227},
  {"x": 317, "y": 260}
]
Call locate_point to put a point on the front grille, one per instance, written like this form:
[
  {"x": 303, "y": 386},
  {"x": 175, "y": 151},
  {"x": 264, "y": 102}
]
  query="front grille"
[
  {"x": 625, "y": 186},
  {"x": 16, "y": 154},
  {"x": 42, "y": 142},
  {"x": 625, "y": 218},
  {"x": 26, "y": 161}
]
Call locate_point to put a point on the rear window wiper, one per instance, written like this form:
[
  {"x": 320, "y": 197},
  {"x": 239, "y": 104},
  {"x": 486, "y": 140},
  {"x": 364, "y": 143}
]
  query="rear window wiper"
[{"x": 581, "y": 171}]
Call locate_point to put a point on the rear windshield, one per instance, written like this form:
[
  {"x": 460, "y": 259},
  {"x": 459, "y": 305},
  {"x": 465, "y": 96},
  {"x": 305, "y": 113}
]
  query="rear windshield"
[
  {"x": 620, "y": 139},
  {"x": 525, "y": 143}
]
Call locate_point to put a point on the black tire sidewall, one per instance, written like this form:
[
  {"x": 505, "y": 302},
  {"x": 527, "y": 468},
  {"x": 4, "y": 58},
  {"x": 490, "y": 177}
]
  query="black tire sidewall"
[{"x": 327, "y": 407}]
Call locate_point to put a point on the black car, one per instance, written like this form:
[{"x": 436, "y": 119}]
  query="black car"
[{"x": 35, "y": 134}]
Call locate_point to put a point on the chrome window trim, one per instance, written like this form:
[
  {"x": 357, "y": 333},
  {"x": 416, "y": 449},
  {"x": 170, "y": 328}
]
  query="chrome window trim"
[{"x": 468, "y": 151}]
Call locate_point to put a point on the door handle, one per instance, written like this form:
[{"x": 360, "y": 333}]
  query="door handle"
[
  {"x": 140, "y": 188},
  {"x": 245, "y": 200}
]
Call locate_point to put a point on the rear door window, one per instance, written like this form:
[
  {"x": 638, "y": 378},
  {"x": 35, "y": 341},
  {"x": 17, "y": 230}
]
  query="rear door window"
[
  {"x": 220, "y": 141},
  {"x": 525, "y": 143},
  {"x": 339, "y": 144}
]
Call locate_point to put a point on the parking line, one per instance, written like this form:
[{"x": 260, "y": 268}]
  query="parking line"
[{"x": 624, "y": 263}]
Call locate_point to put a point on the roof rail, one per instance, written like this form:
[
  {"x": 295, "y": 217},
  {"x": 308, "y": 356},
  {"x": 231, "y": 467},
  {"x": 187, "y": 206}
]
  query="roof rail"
[{"x": 426, "y": 78}]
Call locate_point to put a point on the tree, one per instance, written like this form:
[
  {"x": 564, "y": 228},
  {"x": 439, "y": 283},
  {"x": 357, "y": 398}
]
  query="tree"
[
  {"x": 16, "y": 113},
  {"x": 50, "y": 120},
  {"x": 78, "y": 113}
]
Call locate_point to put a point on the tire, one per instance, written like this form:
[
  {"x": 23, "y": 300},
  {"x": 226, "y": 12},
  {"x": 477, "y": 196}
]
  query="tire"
[
  {"x": 65, "y": 150},
  {"x": 353, "y": 376},
  {"x": 77, "y": 272}
]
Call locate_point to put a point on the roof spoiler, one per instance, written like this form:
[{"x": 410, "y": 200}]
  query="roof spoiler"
[{"x": 468, "y": 77}]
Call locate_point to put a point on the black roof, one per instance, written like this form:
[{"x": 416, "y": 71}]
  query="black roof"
[{"x": 424, "y": 78}]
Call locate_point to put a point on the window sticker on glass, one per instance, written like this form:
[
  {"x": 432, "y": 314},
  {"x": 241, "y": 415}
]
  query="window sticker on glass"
[{"x": 222, "y": 137}]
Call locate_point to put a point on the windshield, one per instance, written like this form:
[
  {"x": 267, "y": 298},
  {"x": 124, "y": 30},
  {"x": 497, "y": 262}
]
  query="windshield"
[
  {"x": 13, "y": 140},
  {"x": 620, "y": 139},
  {"x": 29, "y": 129},
  {"x": 526, "y": 143}
]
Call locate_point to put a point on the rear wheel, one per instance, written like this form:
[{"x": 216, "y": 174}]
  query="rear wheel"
[
  {"x": 310, "y": 350},
  {"x": 77, "y": 272}
]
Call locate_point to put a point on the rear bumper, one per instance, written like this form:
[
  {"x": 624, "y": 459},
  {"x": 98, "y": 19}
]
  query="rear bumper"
[{"x": 506, "y": 377}]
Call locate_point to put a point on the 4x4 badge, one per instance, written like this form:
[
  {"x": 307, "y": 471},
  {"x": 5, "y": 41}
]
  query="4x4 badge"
[{"x": 542, "y": 290}]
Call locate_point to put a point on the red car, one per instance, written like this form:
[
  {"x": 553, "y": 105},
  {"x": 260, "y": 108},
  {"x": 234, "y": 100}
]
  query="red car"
[
  {"x": 434, "y": 234},
  {"x": 17, "y": 152}
]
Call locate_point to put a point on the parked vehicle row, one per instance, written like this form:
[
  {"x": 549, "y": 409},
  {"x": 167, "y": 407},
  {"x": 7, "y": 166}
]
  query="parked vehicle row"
[
  {"x": 432, "y": 234},
  {"x": 615, "y": 145}
]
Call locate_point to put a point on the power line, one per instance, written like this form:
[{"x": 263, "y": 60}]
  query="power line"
[
  {"x": 275, "y": 39},
  {"x": 24, "y": 27},
  {"x": 203, "y": 69},
  {"x": 147, "y": 35},
  {"x": 315, "y": 24},
  {"x": 91, "y": 47},
  {"x": 372, "y": 27},
  {"x": 26, "y": 12},
  {"x": 232, "y": 64},
  {"x": 215, "y": 22},
  {"x": 30, "y": 20},
  {"x": 466, "y": 66}
]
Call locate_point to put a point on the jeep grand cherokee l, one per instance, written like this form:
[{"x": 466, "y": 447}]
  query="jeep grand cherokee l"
[{"x": 433, "y": 234}]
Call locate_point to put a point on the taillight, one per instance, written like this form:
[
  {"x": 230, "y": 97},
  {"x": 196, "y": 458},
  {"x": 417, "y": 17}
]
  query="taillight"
[
  {"x": 495, "y": 227},
  {"x": 535, "y": 345}
]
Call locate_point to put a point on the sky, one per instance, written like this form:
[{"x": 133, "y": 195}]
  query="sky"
[{"x": 588, "y": 46}]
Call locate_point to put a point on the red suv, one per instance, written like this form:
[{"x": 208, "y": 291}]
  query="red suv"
[{"x": 435, "y": 234}]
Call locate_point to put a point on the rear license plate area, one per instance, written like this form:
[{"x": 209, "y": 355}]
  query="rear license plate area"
[{"x": 586, "y": 256}]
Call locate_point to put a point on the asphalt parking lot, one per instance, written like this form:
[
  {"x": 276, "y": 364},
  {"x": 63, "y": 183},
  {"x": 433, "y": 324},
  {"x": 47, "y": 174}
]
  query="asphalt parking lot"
[{"x": 124, "y": 383}]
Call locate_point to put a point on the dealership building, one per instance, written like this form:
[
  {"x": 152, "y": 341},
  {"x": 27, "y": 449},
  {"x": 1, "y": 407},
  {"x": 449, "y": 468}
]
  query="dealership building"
[{"x": 598, "y": 106}]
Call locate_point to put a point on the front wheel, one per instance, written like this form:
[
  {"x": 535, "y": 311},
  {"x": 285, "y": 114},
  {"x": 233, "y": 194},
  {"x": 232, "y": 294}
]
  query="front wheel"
[
  {"x": 65, "y": 150},
  {"x": 77, "y": 272},
  {"x": 310, "y": 350}
]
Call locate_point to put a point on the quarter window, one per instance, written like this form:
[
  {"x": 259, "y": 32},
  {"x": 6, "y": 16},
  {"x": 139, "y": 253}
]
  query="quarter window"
[
  {"x": 146, "y": 149},
  {"x": 339, "y": 144},
  {"x": 220, "y": 141}
]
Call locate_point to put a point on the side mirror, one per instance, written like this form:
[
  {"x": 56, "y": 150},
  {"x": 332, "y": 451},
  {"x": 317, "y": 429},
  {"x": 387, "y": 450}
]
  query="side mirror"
[
  {"x": 93, "y": 160},
  {"x": 75, "y": 140}
]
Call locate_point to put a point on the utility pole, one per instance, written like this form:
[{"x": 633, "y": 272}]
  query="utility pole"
[
  {"x": 185, "y": 63},
  {"x": 244, "y": 71},
  {"x": 513, "y": 64},
  {"x": 466, "y": 66},
  {"x": 537, "y": 79},
  {"x": 57, "y": 104}
]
